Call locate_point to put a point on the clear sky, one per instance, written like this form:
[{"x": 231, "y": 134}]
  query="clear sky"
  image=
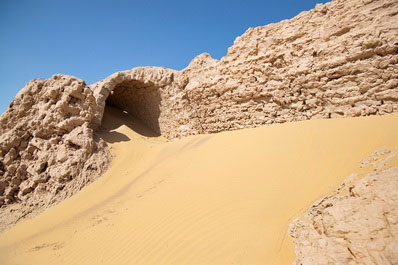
[{"x": 93, "y": 39}]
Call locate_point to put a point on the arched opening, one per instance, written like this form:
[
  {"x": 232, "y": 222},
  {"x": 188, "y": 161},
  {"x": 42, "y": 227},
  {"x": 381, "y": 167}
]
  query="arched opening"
[
  {"x": 138, "y": 99},
  {"x": 153, "y": 95}
]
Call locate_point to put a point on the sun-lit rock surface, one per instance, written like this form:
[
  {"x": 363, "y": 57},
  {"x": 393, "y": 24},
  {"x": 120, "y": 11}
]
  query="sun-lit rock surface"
[
  {"x": 47, "y": 146},
  {"x": 358, "y": 224}
]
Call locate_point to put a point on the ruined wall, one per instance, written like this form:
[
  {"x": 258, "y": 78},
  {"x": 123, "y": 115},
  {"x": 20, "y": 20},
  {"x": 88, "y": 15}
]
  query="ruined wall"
[
  {"x": 337, "y": 60},
  {"x": 48, "y": 150},
  {"x": 153, "y": 94}
]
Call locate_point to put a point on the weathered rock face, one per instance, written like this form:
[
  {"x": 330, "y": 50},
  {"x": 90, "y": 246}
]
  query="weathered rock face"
[
  {"x": 356, "y": 225},
  {"x": 337, "y": 60},
  {"x": 47, "y": 147}
]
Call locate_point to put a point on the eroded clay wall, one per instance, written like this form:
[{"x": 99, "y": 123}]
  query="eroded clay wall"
[
  {"x": 337, "y": 60},
  {"x": 48, "y": 150},
  {"x": 155, "y": 95}
]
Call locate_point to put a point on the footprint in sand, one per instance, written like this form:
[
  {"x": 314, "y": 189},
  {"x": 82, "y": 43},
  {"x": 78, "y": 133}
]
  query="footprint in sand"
[{"x": 53, "y": 246}]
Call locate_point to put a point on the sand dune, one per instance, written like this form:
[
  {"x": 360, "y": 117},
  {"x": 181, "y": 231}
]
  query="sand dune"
[{"x": 216, "y": 199}]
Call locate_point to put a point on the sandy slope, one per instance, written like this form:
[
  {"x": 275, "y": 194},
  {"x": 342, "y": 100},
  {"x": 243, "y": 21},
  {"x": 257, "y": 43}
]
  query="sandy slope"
[{"x": 209, "y": 199}]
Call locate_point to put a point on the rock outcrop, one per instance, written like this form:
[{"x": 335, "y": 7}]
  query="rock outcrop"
[
  {"x": 337, "y": 60},
  {"x": 358, "y": 224},
  {"x": 48, "y": 149}
]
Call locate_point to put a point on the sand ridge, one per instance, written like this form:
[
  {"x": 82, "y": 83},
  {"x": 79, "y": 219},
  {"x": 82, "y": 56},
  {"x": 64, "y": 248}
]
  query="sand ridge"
[{"x": 225, "y": 198}]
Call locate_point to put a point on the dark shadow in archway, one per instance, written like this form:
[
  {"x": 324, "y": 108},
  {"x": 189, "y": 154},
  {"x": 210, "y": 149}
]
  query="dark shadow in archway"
[
  {"x": 139, "y": 102},
  {"x": 114, "y": 118}
]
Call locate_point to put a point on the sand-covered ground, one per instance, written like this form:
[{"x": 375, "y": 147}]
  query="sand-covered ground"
[{"x": 217, "y": 199}]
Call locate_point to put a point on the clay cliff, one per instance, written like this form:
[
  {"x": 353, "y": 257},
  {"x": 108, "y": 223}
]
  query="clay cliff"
[{"x": 337, "y": 60}]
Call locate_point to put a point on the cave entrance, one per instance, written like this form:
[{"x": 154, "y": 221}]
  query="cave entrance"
[{"x": 140, "y": 101}]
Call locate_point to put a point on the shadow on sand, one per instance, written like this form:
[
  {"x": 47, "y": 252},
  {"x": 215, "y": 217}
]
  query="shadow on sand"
[
  {"x": 114, "y": 137},
  {"x": 114, "y": 118}
]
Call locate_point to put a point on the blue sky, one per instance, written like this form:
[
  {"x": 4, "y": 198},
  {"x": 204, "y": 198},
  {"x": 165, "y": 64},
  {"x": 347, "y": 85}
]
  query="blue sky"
[{"x": 93, "y": 39}]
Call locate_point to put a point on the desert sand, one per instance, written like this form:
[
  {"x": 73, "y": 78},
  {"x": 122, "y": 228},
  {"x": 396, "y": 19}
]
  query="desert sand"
[
  {"x": 207, "y": 183},
  {"x": 336, "y": 60},
  {"x": 224, "y": 198}
]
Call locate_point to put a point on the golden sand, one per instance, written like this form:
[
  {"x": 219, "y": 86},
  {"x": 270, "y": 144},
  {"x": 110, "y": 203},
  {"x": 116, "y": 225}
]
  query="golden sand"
[{"x": 215, "y": 199}]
